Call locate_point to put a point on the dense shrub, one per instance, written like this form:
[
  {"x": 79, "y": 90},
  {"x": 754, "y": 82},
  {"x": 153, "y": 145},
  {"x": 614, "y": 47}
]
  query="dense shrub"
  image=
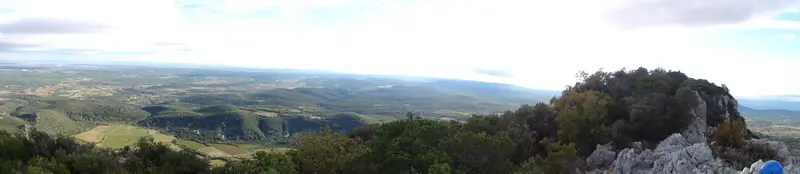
[
  {"x": 561, "y": 159},
  {"x": 729, "y": 134},
  {"x": 41, "y": 153}
]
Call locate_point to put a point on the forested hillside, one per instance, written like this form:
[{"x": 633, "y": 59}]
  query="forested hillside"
[
  {"x": 225, "y": 105},
  {"x": 625, "y": 121}
]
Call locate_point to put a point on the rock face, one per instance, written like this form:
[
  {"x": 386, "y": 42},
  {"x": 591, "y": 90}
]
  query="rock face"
[
  {"x": 687, "y": 152},
  {"x": 673, "y": 155},
  {"x": 697, "y": 132},
  {"x": 696, "y": 158},
  {"x": 677, "y": 155},
  {"x": 633, "y": 160},
  {"x": 602, "y": 157},
  {"x": 782, "y": 152}
]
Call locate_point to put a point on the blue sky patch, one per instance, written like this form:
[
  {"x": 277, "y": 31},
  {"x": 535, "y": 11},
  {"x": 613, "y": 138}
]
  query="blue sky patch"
[
  {"x": 777, "y": 42},
  {"x": 795, "y": 16},
  {"x": 268, "y": 12}
]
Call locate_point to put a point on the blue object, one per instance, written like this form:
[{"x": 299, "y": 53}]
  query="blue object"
[{"x": 771, "y": 167}]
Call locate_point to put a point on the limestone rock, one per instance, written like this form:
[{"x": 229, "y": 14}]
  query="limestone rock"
[
  {"x": 697, "y": 132},
  {"x": 673, "y": 143},
  {"x": 633, "y": 161},
  {"x": 696, "y": 158},
  {"x": 756, "y": 166},
  {"x": 746, "y": 170},
  {"x": 624, "y": 162},
  {"x": 782, "y": 151},
  {"x": 673, "y": 155},
  {"x": 791, "y": 160},
  {"x": 791, "y": 169},
  {"x": 602, "y": 157},
  {"x": 637, "y": 145}
]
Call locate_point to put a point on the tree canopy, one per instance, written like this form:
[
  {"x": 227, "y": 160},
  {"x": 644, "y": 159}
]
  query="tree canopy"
[{"x": 618, "y": 107}]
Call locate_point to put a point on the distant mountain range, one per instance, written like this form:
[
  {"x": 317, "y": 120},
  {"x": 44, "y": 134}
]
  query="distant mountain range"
[
  {"x": 786, "y": 102},
  {"x": 747, "y": 111}
]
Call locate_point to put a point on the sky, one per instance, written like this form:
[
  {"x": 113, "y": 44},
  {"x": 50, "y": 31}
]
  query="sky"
[{"x": 749, "y": 45}]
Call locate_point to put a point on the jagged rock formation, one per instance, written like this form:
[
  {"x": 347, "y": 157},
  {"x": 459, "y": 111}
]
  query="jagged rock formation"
[
  {"x": 687, "y": 151},
  {"x": 677, "y": 155},
  {"x": 633, "y": 160},
  {"x": 602, "y": 157},
  {"x": 781, "y": 152},
  {"x": 673, "y": 155},
  {"x": 696, "y": 158},
  {"x": 698, "y": 131},
  {"x": 780, "y": 149}
]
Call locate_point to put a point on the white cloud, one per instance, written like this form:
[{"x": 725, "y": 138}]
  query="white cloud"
[
  {"x": 639, "y": 13},
  {"x": 790, "y": 36},
  {"x": 543, "y": 43}
]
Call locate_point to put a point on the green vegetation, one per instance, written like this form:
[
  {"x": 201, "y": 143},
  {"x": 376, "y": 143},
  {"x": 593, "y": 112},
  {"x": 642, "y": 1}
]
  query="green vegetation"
[
  {"x": 119, "y": 136},
  {"x": 211, "y": 105},
  {"x": 54, "y": 122},
  {"x": 230, "y": 149},
  {"x": 99, "y": 112},
  {"x": 39, "y": 152},
  {"x": 190, "y": 144},
  {"x": 226, "y": 115},
  {"x": 559, "y": 155},
  {"x": 620, "y": 108},
  {"x": 10, "y": 123},
  {"x": 218, "y": 163},
  {"x": 728, "y": 134}
]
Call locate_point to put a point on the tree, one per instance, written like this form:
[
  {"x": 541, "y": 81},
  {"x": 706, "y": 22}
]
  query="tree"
[
  {"x": 327, "y": 152},
  {"x": 581, "y": 117},
  {"x": 270, "y": 163},
  {"x": 410, "y": 145},
  {"x": 147, "y": 156},
  {"x": 480, "y": 152},
  {"x": 648, "y": 116},
  {"x": 561, "y": 159},
  {"x": 528, "y": 125}
]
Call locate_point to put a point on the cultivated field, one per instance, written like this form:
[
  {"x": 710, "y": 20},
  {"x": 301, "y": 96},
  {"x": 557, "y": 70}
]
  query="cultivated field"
[{"x": 119, "y": 136}]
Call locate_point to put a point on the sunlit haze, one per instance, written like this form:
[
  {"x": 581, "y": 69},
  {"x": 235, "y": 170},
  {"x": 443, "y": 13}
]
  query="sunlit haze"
[{"x": 749, "y": 45}]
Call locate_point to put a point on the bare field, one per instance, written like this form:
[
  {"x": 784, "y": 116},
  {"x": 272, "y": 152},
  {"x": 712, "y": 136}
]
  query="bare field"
[
  {"x": 266, "y": 114},
  {"x": 778, "y": 130},
  {"x": 95, "y": 135},
  {"x": 119, "y": 136},
  {"x": 213, "y": 152}
]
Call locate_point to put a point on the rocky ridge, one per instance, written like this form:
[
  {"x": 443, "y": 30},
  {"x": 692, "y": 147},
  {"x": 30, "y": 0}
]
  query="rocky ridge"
[
  {"x": 685, "y": 152},
  {"x": 677, "y": 155}
]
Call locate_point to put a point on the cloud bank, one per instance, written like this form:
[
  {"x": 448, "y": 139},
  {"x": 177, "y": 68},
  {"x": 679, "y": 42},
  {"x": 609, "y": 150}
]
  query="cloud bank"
[
  {"x": 541, "y": 43},
  {"x": 695, "y": 13},
  {"x": 48, "y": 26}
]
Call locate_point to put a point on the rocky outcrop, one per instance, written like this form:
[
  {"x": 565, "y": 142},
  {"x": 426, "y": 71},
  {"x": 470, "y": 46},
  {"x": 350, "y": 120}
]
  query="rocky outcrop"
[
  {"x": 633, "y": 160},
  {"x": 791, "y": 169},
  {"x": 781, "y": 150},
  {"x": 696, "y": 158},
  {"x": 782, "y": 154},
  {"x": 756, "y": 166},
  {"x": 602, "y": 157},
  {"x": 723, "y": 102},
  {"x": 677, "y": 155},
  {"x": 687, "y": 152},
  {"x": 697, "y": 131},
  {"x": 673, "y": 155}
]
